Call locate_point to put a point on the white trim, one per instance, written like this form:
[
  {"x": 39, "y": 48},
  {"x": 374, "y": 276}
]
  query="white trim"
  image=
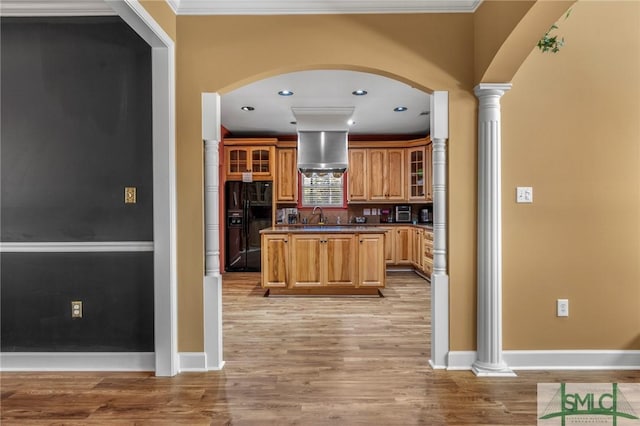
[
  {"x": 460, "y": 360},
  {"x": 76, "y": 247},
  {"x": 311, "y": 7},
  {"x": 77, "y": 361},
  {"x": 164, "y": 181},
  {"x": 196, "y": 362},
  {"x": 574, "y": 360},
  {"x": 556, "y": 360},
  {"x": 55, "y": 8},
  {"x": 174, "y": 5},
  {"x": 192, "y": 362}
]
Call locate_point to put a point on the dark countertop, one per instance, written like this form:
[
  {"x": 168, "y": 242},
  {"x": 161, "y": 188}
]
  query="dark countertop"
[
  {"x": 326, "y": 229},
  {"x": 371, "y": 228}
]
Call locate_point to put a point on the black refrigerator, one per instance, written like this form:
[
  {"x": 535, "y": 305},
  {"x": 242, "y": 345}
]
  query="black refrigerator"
[{"x": 248, "y": 211}]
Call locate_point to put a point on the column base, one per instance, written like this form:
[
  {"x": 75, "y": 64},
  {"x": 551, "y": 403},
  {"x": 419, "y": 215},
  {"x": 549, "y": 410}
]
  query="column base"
[{"x": 484, "y": 370}]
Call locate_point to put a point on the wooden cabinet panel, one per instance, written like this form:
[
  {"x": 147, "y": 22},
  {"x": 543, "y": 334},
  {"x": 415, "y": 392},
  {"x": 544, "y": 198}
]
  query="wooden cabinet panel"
[
  {"x": 305, "y": 260},
  {"x": 389, "y": 246},
  {"x": 395, "y": 175},
  {"x": 386, "y": 174},
  {"x": 275, "y": 261},
  {"x": 339, "y": 260},
  {"x": 357, "y": 175},
  {"x": 417, "y": 251},
  {"x": 376, "y": 160},
  {"x": 428, "y": 170},
  {"x": 287, "y": 175},
  {"x": 371, "y": 253},
  {"x": 403, "y": 245}
]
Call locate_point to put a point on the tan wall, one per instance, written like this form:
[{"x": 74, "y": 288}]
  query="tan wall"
[
  {"x": 571, "y": 129},
  {"x": 162, "y": 14},
  {"x": 217, "y": 54}
]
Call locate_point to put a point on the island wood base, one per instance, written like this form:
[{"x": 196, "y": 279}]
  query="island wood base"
[{"x": 370, "y": 292}]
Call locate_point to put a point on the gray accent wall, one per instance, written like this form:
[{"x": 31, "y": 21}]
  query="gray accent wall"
[{"x": 75, "y": 131}]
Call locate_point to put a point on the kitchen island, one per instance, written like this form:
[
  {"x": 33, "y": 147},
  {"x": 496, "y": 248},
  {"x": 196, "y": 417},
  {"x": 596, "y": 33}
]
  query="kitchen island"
[{"x": 322, "y": 259}]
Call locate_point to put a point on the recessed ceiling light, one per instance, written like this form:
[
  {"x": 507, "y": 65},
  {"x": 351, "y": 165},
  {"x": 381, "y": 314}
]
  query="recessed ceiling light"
[
  {"x": 400, "y": 109},
  {"x": 285, "y": 93},
  {"x": 247, "y": 108},
  {"x": 351, "y": 122},
  {"x": 359, "y": 92}
]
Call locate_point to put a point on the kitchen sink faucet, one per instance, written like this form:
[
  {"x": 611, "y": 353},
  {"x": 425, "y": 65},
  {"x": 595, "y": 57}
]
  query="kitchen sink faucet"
[{"x": 322, "y": 218}]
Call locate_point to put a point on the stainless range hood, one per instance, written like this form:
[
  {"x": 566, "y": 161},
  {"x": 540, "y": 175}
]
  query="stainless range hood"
[
  {"x": 323, "y": 151},
  {"x": 323, "y": 139}
]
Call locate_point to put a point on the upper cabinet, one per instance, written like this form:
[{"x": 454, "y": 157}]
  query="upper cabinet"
[
  {"x": 357, "y": 174},
  {"x": 419, "y": 173},
  {"x": 287, "y": 175},
  {"x": 386, "y": 174},
  {"x": 258, "y": 159}
]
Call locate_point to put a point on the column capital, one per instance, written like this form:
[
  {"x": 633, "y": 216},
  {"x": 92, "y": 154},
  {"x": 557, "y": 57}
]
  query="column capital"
[{"x": 499, "y": 89}]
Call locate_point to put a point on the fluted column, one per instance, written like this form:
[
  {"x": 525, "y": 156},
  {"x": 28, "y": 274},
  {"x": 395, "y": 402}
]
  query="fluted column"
[
  {"x": 489, "y": 361},
  {"x": 212, "y": 283}
]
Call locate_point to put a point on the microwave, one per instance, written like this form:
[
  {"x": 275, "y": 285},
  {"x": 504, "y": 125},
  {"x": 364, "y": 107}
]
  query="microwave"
[{"x": 403, "y": 214}]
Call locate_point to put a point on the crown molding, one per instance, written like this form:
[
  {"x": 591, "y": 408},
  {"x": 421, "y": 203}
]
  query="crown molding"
[
  {"x": 311, "y": 7},
  {"x": 55, "y": 8},
  {"x": 174, "y": 5}
]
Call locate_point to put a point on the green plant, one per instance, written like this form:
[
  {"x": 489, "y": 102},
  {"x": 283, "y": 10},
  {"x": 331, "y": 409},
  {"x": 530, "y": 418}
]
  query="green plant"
[{"x": 550, "y": 43}]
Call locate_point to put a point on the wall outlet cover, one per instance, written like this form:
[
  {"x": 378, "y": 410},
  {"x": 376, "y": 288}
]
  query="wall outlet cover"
[{"x": 524, "y": 194}]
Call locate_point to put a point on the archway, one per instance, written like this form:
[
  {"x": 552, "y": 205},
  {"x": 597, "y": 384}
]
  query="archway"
[{"x": 212, "y": 287}]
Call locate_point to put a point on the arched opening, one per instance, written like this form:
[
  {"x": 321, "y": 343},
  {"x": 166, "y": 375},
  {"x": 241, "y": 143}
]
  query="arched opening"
[{"x": 434, "y": 106}]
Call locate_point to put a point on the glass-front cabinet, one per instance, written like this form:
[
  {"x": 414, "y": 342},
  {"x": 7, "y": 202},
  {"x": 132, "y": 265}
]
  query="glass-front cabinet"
[
  {"x": 259, "y": 160},
  {"x": 419, "y": 170}
]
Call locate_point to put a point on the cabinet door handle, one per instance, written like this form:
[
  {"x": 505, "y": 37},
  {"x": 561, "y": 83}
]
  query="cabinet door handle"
[
  {"x": 360, "y": 241},
  {"x": 286, "y": 241}
]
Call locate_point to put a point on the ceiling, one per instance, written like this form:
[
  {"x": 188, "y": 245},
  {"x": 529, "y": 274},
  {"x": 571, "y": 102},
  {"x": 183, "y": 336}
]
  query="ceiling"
[{"x": 373, "y": 113}]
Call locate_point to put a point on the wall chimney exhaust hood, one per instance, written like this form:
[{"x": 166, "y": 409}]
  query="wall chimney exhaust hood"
[{"x": 323, "y": 139}]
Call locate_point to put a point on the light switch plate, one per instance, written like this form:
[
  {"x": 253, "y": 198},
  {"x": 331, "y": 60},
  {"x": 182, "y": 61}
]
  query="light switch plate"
[
  {"x": 562, "y": 307},
  {"x": 524, "y": 194},
  {"x": 130, "y": 195}
]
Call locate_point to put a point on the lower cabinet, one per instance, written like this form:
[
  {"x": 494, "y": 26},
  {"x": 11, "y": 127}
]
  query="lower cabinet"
[
  {"x": 275, "y": 260},
  {"x": 371, "y": 254},
  {"x": 320, "y": 260},
  {"x": 306, "y": 261}
]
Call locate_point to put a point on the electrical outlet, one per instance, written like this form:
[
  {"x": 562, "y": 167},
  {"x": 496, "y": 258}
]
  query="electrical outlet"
[
  {"x": 76, "y": 309},
  {"x": 562, "y": 307},
  {"x": 524, "y": 194}
]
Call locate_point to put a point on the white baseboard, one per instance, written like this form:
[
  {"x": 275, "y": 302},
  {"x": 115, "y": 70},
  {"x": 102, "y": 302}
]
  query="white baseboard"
[
  {"x": 573, "y": 360},
  {"x": 555, "y": 360},
  {"x": 77, "y": 361},
  {"x": 98, "y": 361},
  {"x": 192, "y": 362}
]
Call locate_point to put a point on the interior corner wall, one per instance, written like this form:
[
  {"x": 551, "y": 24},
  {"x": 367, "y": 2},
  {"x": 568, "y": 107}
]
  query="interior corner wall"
[
  {"x": 221, "y": 53},
  {"x": 76, "y": 129},
  {"x": 571, "y": 130}
]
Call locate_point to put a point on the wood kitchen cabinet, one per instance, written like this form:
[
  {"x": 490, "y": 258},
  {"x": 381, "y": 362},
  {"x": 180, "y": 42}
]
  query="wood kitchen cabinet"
[
  {"x": 319, "y": 260},
  {"x": 286, "y": 175},
  {"x": 389, "y": 246},
  {"x": 259, "y": 160},
  {"x": 386, "y": 177},
  {"x": 357, "y": 174},
  {"x": 419, "y": 173},
  {"x": 417, "y": 249},
  {"x": 371, "y": 264},
  {"x": 427, "y": 259},
  {"x": 403, "y": 245},
  {"x": 275, "y": 260}
]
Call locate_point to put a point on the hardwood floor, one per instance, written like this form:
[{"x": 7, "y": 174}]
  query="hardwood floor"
[{"x": 298, "y": 360}]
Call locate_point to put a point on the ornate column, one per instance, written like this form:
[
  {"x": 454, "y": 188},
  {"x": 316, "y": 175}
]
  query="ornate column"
[
  {"x": 212, "y": 285},
  {"x": 439, "y": 278},
  {"x": 489, "y": 360}
]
